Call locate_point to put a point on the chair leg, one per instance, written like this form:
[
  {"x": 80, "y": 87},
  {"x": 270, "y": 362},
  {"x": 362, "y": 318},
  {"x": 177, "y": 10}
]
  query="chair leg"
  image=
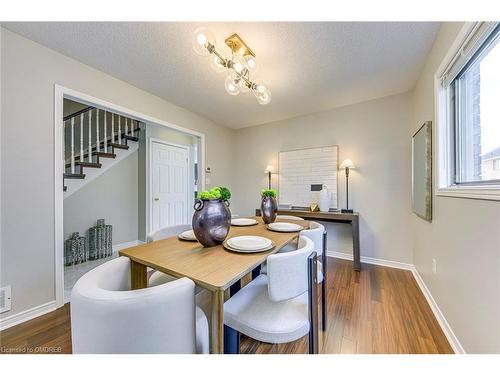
[
  {"x": 323, "y": 285},
  {"x": 231, "y": 341},
  {"x": 233, "y": 289},
  {"x": 312, "y": 270},
  {"x": 256, "y": 272},
  {"x": 323, "y": 305}
]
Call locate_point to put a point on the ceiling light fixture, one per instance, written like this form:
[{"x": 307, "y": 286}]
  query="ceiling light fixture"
[{"x": 237, "y": 68}]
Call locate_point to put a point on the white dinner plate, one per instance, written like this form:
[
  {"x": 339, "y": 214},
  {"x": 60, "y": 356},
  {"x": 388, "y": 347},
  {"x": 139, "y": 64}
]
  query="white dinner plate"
[
  {"x": 249, "y": 243},
  {"x": 248, "y": 251},
  {"x": 188, "y": 236},
  {"x": 284, "y": 227},
  {"x": 243, "y": 222}
]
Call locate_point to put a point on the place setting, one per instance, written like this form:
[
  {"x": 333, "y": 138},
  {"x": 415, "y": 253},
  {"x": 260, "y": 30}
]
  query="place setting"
[
  {"x": 187, "y": 235},
  {"x": 281, "y": 226},
  {"x": 243, "y": 222},
  {"x": 248, "y": 244}
]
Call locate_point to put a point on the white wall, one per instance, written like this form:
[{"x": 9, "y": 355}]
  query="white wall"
[
  {"x": 112, "y": 196},
  {"x": 464, "y": 238},
  {"x": 374, "y": 135},
  {"x": 29, "y": 73}
]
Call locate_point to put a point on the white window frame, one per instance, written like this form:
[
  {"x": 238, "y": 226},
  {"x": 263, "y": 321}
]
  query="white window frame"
[{"x": 445, "y": 185}]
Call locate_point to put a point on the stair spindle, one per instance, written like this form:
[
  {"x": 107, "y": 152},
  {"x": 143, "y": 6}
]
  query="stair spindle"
[
  {"x": 119, "y": 129},
  {"x": 73, "y": 145},
  {"x": 90, "y": 138},
  {"x": 81, "y": 137},
  {"x": 112, "y": 128},
  {"x": 97, "y": 139},
  {"x": 105, "y": 134}
]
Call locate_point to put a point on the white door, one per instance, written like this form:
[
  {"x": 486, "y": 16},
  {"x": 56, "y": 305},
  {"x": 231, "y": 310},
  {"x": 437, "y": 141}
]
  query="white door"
[{"x": 170, "y": 185}]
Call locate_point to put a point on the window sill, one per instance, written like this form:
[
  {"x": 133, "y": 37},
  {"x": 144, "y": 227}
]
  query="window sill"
[{"x": 490, "y": 193}]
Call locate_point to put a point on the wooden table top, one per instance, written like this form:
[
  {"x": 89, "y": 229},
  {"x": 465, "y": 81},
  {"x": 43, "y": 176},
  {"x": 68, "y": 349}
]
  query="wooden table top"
[{"x": 213, "y": 268}]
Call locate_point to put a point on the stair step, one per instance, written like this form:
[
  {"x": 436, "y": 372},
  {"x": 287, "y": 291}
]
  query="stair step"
[
  {"x": 86, "y": 164},
  {"x": 131, "y": 138},
  {"x": 118, "y": 145},
  {"x": 74, "y": 175},
  {"x": 105, "y": 155}
]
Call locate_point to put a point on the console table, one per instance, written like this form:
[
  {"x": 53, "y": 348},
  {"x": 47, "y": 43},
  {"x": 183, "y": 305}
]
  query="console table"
[{"x": 337, "y": 217}]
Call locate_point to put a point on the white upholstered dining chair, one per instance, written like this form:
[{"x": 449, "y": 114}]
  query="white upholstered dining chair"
[
  {"x": 203, "y": 297},
  {"x": 108, "y": 317},
  {"x": 317, "y": 234},
  {"x": 157, "y": 277},
  {"x": 280, "y": 306}
]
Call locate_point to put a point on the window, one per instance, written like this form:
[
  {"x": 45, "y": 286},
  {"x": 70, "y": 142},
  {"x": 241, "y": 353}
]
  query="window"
[
  {"x": 476, "y": 101},
  {"x": 469, "y": 112}
]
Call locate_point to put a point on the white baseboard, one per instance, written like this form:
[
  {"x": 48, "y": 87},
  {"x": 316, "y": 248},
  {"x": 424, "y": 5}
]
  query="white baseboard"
[
  {"x": 26, "y": 315},
  {"x": 370, "y": 260},
  {"x": 124, "y": 245},
  {"x": 45, "y": 308},
  {"x": 443, "y": 323}
]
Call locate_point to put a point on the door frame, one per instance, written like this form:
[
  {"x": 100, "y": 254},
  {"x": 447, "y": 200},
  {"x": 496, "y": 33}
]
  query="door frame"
[
  {"x": 61, "y": 93},
  {"x": 149, "y": 179}
]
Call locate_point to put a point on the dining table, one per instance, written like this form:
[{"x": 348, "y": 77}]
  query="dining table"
[{"x": 212, "y": 268}]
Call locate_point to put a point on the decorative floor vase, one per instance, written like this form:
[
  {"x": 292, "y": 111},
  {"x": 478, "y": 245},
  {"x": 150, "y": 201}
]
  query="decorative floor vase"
[
  {"x": 75, "y": 250},
  {"x": 268, "y": 209},
  {"x": 100, "y": 240},
  {"x": 211, "y": 221}
]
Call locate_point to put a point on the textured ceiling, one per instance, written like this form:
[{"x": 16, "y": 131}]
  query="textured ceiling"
[{"x": 308, "y": 67}]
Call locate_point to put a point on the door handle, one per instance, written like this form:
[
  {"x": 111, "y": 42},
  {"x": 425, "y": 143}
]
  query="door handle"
[{"x": 156, "y": 199}]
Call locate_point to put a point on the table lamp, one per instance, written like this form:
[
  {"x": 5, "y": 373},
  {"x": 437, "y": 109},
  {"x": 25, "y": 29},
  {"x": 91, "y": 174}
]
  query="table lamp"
[
  {"x": 269, "y": 170},
  {"x": 347, "y": 164}
]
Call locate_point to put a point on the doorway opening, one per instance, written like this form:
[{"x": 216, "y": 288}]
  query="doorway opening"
[{"x": 117, "y": 190}]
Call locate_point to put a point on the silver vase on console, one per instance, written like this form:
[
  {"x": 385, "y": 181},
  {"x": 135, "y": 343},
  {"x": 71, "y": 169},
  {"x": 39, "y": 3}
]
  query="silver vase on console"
[{"x": 211, "y": 221}]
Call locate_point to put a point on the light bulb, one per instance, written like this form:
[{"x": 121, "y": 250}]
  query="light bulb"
[
  {"x": 243, "y": 86},
  {"x": 232, "y": 87},
  {"x": 217, "y": 64},
  {"x": 203, "y": 39},
  {"x": 238, "y": 65},
  {"x": 250, "y": 63},
  {"x": 262, "y": 94}
]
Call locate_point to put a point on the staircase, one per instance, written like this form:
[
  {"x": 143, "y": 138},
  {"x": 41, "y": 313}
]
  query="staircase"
[{"x": 95, "y": 140}]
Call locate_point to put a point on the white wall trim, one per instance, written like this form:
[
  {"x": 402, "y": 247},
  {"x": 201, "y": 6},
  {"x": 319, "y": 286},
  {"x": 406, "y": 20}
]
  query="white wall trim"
[
  {"x": 60, "y": 93},
  {"x": 443, "y": 323},
  {"x": 124, "y": 245},
  {"x": 370, "y": 260},
  {"x": 26, "y": 315}
]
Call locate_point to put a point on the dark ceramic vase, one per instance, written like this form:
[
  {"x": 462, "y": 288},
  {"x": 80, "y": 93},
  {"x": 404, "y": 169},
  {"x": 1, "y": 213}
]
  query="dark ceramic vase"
[
  {"x": 211, "y": 221},
  {"x": 269, "y": 208}
]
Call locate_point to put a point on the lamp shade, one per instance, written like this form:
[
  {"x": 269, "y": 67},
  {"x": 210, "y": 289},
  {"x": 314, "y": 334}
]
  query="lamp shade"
[
  {"x": 269, "y": 169},
  {"x": 347, "y": 163}
]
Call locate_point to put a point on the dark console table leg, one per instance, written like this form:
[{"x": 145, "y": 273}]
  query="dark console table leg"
[{"x": 355, "y": 244}]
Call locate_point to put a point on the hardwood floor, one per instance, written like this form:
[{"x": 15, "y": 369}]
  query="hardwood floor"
[{"x": 377, "y": 310}]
